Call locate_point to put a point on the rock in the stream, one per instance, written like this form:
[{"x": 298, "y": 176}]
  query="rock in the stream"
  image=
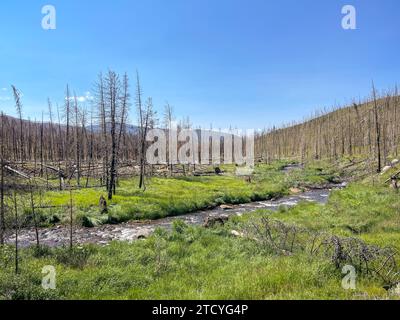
[
  {"x": 295, "y": 190},
  {"x": 226, "y": 207},
  {"x": 144, "y": 234},
  {"x": 237, "y": 234},
  {"x": 212, "y": 221},
  {"x": 386, "y": 169}
]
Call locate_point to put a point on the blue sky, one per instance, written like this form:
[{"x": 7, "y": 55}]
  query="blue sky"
[{"x": 249, "y": 64}]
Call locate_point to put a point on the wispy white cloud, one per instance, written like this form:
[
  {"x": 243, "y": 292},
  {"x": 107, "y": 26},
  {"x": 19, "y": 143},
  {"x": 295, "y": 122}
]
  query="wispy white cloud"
[
  {"x": 4, "y": 89},
  {"x": 83, "y": 98},
  {"x": 4, "y": 98}
]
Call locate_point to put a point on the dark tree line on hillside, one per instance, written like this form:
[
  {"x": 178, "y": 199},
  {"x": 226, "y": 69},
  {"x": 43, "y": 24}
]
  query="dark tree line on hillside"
[{"x": 368, "y": 129}]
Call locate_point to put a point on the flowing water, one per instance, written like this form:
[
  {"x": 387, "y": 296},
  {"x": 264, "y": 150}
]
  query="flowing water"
[{"x": 131, "y": 231}]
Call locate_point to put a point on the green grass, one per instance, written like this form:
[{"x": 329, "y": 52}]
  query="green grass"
[
  {"x": 176, "y": 196},
  {"x": 370, "y": 212},
  {"x": 189, "y": 263},
  {"x": 359, "y": 210},
  {"x": 197, "y": 263},
  {"x": 167, "y": 197}
]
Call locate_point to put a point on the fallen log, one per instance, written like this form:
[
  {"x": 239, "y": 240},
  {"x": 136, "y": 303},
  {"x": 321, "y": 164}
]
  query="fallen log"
[
  {"x": 23, "y": 175},
  {"x": 393, "y": 177}
]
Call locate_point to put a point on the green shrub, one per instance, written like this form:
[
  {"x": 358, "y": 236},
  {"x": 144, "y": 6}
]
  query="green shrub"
[{"x": 77, "y": 257}]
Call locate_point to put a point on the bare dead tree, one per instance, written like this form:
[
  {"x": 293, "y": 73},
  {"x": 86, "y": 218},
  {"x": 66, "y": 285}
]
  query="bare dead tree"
[
  {"x": 168, "y": 119},
  {"x": 112, "y": 84},
  {"x": 34, "y": 217},
  {"x": 51, "y": 145},
  {"x": 41, "y": 146},
  {"x": 68, "y": 125},
  {"x": 77, "y": 143},
  {"x": 18, "y": 106},
  {"x": 367, "y": 128},
  {"x": 91, "y": 148},
  {"x": 16, "y": 226},
  {"x": 142, "y": 131},
  {"x": 61, "y": 152},
  {"x": 377, "y": 128},
  {"x": 124, "y": 102},
  {"x": 139, "y": 108},
  {"x": 71, "y": 219},
  {"x": 103, "y": 121},
  {"x": 2, "y": 187}
]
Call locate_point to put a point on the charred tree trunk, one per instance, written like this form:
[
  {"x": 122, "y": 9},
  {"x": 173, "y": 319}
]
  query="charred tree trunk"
[
  {"x": 2, "y": 189},
  {"x": 16, "y": 222},
  {"x": 378, "y": 130}
]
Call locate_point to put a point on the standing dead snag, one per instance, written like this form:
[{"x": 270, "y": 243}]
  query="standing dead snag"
[
  {"x": 35, "y": 222},
  {"x": 377, "y": 129},
  {"x": 146, "y": 117},
  {"x": 113, "y": 103},
  {"x": 113, "y": 107},
  {"x": 16, "y": 226},
  {"x": 90, "y": 148},
  {"x": 41, "y": 147},
  {"x": 51, "y": 144},
  {"x": 368, "y": 128},
  {"x": 2, "y": 204},
  {"x": 77, "y": 143},
  {"x": 2, "y": 188},
  {"x": 61, "y": 152},
  {"x": 103, "y": 123},
  {"x": 71, "y": 220},
  {"x": 112, "y": 84},
  {"x": 168, "y": 119},
  {"x": 141, "y": 130},
  {"x": 18, "y": 105},
  {"x": 124, "y": 101},
  {"x": 67, "y": 152}
]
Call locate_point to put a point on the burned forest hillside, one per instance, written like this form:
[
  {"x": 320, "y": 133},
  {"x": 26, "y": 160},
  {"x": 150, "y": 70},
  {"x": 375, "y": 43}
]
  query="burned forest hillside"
[{"x": 368, "y": 130}]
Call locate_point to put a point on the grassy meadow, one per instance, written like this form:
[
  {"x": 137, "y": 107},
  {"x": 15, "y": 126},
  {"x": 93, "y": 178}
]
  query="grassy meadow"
[
  {"x": 176, "y": 196},
  {"x": 198, "y": 263}
]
